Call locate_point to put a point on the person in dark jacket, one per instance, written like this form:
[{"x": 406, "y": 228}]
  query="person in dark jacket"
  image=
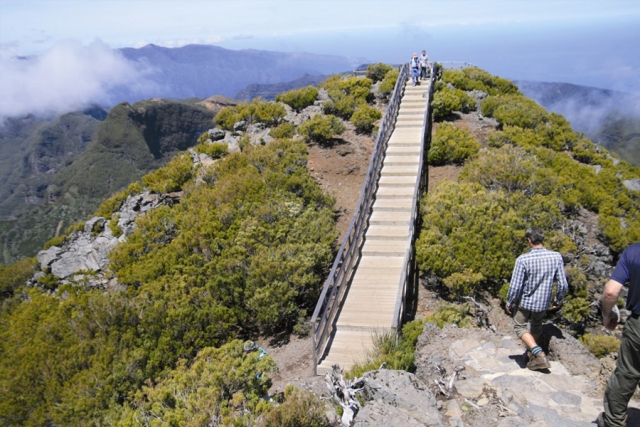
[{"x": 626, "y": 377}]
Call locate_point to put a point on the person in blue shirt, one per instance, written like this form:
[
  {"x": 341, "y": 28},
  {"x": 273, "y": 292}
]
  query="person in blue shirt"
[
  {"x": 626, "y": 377},
  {"x": 530, "y": 292},
  {"x": 414, "y": 63}
]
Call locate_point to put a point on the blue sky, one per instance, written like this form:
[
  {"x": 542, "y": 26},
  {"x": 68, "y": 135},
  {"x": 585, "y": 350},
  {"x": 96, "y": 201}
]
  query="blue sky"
[{"x": 584, "y": 42}]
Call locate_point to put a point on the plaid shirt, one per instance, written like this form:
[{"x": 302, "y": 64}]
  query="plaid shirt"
[{"x": 533, "y": 277}]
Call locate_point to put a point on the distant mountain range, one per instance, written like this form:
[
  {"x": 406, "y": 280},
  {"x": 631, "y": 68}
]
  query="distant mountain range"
[
  {"x": 609, "y": 118},
  {"x": 203, "y": 70}
]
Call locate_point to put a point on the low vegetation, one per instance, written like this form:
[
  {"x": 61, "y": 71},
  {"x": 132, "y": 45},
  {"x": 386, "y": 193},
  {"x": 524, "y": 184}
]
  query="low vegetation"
[
  {"x": 256, "y": 111},
  {"x": 535, "y": 170},
  {"x": 299, "y": 98},
  {"x": 321, "y": 128}
]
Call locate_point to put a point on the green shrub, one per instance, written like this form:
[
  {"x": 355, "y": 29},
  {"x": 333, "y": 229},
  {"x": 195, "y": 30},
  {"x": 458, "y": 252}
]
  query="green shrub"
[
  {"x": 575, "y": 309},
  {"x": 515, "y": 110},
  {"x": 446, "y": 101},
  {"x": 299, "y": 98},
  {"x": 227, "y": 117},
  {"x": 112, "y": 204},
  {"x": 172, "y": 177},
  {"x": 342, "y": 105},
  {"x": 346, "y": 94},
  {"x": 75, "y": 228},
  {"x": 300, "y": 409},
  {"x": 470, "y": 78},
  {"x": 364, "y": 118},
  {"x": 463, "y": 283},
  {"x": 215, "y": 150},
  {"x": 257, "y": 111},
  {"x": 454, "y": 314},
  {"x": 396, "y": 353},
  {"x": 377, "y": 72},
  {"x": 510, "y": 168},
  {"x": 116, "y": 231},
  {"x": 219, "y": 382},
  {"x": 16, "y": 275},
  {"x": 56, "y": 241},
  {"x": 471, "y": 231},
  {"x": 321, "y": 128},
  {"x": 284, "y": 130},
  {"x": 389, "y": 83},
  {"x": 452, "y": 145},
  {"x": 600, "y": 345},
  {"x": 587, "y": 152}
]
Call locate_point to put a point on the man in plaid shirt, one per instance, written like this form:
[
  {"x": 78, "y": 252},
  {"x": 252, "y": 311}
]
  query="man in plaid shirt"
[{"x": 530, "y": 289}]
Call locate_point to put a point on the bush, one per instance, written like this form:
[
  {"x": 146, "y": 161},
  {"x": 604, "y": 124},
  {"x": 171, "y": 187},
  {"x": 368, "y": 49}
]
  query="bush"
[
  {"x": 300, "y": 409},
  {"x": 396, "y": 353},
  {"x": 453, "y": 314},
  {"x": 471, "y": 231},
  {"x": 321, "y": 128},
  {"x": 56, "y": 241},
  {"x": 446, "y": 101},
  {"x": 600, "y": 345},
  {"x": 116, "y": 231},
  {"x": 342, "y": 105},
  {"x": 16, "y": 275},
  {"x": 389, "y": 83},
  {"x": 470, "y": 78},
  {"x": 511, "y": 169},
  {"x": 515, "y": 110},
  {"x": 299, "y": 98},
  {"x": 172, "y": 177},
  {"x": 377, "y": 72},
  {"x": 452, "y": 145},
  {"x": 215, "y": 150},
  {"x": 364, "y": 118},
  {"x": 112, "y": 204},
  {"x": 346, "y": 94},
  {"x": 257, "y": 111},
  {"x": 575, "y": 309},
  {"x": 284, "y": 130}
]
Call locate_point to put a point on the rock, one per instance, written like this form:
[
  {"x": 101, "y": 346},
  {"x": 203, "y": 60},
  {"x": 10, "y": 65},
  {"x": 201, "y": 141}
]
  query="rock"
[
  {"x": 403, "y": 391},
  {"x": 380, "y": 414},
  {"x": 216, "y": 134},
  {"x": 564, "y": 348},
  {"x": 86, "y": 251},
  {"x": 240, "y": 126},
  {"x": 632, "y": 184}
]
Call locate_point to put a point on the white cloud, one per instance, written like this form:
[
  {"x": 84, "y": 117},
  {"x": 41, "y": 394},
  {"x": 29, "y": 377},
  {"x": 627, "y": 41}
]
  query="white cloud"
[{"x": 68, "y": 77}]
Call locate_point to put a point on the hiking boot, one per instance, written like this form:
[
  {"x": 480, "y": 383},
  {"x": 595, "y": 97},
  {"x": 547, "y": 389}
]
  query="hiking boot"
[
  {"x": 600, "y": 420},
  {"x": 538, "y": 362},
  {"x": 527, "y": 356}
]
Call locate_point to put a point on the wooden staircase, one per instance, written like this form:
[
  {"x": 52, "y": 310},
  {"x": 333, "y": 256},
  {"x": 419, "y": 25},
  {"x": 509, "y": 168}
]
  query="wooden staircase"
[{"x": 369, "y": 307}]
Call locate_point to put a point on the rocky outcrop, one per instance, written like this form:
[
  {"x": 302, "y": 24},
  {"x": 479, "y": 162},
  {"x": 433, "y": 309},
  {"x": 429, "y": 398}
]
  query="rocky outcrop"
[
  {"x": 86, "y": 252},
  {"x": 397, "y": 398}
]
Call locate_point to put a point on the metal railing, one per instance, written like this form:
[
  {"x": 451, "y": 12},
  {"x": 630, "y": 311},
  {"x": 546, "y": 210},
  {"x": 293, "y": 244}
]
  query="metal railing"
[
  {"x": 408, "y": 286},
  {"x": 455, "y": 65},
  {"x": 333, "y": 292}
]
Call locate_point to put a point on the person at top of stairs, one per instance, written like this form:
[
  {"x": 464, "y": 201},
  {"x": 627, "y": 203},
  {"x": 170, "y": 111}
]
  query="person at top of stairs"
[{"x": 414, "y": 63}]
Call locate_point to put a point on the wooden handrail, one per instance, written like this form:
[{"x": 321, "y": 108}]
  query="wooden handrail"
[{"x": 333, "y": 292}]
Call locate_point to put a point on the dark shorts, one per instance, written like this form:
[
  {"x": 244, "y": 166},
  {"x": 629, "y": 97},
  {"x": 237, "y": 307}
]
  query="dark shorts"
[{"x": 528, "y": 321}]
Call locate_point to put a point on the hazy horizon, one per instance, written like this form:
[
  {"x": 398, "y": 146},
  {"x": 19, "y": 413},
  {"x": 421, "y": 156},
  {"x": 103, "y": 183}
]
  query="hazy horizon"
[{"x": 75, "y": 42}]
